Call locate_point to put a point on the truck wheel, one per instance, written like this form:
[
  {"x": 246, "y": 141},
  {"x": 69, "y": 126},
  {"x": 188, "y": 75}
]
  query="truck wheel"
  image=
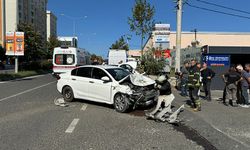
[
  {"x": 121, "y": 103},
  {"x": 68, "y": 94}
]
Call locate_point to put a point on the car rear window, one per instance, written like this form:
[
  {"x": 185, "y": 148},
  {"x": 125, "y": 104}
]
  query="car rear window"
[{"x": 64, "y": 59}]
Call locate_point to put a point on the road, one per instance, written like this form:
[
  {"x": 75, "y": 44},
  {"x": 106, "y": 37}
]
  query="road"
[{"x": 30, "y": 120}]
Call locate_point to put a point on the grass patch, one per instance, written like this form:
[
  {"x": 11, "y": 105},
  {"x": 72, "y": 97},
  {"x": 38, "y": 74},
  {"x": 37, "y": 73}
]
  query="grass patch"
[{"x": 21, "y": 74}]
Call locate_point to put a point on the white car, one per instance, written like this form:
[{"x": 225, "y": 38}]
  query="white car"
[{"x": 108, "y": 84}]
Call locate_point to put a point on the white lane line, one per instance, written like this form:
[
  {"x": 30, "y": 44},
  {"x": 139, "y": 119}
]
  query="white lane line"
[
  {"x": 246, "y": 145},
  {"x": 84, "y": 107},
  {"x": 27, "y": 91},
  {"x": 72, "y": 126}
]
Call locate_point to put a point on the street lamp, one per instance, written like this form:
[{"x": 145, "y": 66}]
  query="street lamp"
[{"x": 74, "y": 19}]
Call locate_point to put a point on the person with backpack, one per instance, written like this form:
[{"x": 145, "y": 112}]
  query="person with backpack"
[{"x": 231, "y": 78}]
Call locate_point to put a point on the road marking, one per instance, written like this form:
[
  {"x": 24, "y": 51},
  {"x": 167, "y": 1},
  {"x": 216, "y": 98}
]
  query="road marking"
[
  {"x": 84, "y": 107},
  {"x": 72, "y": 126},
  {"x": 246, "y": 145},
  {"x": 27, "y": 91}
]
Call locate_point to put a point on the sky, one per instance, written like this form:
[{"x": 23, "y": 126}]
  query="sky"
[{"x": 106, "y": 20}]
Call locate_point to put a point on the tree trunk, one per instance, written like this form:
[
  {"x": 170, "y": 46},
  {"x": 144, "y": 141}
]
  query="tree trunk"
[{"x": 142, "y": 36}]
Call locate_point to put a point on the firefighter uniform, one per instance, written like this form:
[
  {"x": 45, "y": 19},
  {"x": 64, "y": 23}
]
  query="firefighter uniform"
[{"x": 194, "y": 86}]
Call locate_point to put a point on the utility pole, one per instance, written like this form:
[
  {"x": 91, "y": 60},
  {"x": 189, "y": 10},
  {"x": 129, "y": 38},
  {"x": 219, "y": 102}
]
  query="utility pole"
[
  {"x": 178, "y": 35},
  {"x": 195, "y": 34}
]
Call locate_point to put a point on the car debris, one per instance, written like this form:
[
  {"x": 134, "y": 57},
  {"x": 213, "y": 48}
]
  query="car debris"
[{"x": 60, "y": 102}]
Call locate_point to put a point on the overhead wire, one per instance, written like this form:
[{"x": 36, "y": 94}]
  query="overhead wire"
[
  {"x": 216, "y": 11},
  {"x": 225, "y": 7}
]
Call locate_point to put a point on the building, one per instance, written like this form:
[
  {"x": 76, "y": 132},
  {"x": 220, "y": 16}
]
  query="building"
[
  {"x": 26, "y": 11},
  {"x": 2, "y": 22},
  {"x": 51, "y": 25},
  {"x": 211, "y": 38},
  {"x": 68, "y": 41}
]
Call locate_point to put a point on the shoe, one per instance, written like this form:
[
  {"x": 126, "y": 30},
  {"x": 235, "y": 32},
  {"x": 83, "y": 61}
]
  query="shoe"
[
  {"x": 225, "y": 103},
  {"x": 196, "y": 109},
  {"x": 244, "y": 106}
]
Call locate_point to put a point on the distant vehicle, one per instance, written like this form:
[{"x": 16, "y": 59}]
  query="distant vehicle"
[
  {"x": 117, "y": 56},
  {"x": 108, "y": 84},
  {"x": 68, "y": 58},
  {"x": 129, "y": 66}
]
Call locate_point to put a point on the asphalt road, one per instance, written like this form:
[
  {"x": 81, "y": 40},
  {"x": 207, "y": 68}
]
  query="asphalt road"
[{"x": 30, "y": 120}]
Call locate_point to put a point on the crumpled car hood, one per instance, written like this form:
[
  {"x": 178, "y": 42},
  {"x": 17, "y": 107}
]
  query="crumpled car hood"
[{"x": 139, "y": 80}]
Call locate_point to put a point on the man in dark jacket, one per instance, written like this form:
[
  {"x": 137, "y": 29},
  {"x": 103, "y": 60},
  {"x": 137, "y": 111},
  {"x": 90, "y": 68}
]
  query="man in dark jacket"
[
  {"x": 207, "y": 74},
  {"x": 194, "y": 85}
]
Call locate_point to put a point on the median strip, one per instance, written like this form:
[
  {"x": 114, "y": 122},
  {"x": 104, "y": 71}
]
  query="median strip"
[
  {"x": 72, "y": 126},
  {"x": 27, "y": 91}
]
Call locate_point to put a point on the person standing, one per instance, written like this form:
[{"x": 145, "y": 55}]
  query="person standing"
[
  {"x": 184, "y": 79},
  {"x": 207, "y": 74},
  {"x": 194, "y": 85},
  {"x": 245, "y": 80},
  {"x": 231, "y": 79}
]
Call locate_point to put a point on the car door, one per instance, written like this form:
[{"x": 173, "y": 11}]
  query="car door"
[
  {"x": 80, "y": 82},
  {"x": 99, "y": 90}
]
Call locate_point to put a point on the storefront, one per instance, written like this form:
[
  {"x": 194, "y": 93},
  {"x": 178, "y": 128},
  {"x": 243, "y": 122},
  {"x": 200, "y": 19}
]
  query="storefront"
[{"x": 220, "y": 58}]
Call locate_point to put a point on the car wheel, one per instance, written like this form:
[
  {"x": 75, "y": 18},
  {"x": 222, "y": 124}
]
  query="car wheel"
[
  {"x": 121, "y": 103},
  {"x": 68, "y": 94}
]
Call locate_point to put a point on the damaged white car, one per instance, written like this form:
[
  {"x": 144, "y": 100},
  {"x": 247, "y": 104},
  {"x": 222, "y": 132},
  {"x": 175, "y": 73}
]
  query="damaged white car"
[{"x": 108, "y": 84}]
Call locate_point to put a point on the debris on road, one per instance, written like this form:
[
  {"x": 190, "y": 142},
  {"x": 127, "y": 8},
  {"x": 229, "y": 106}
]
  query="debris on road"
[{"x": 60, "y": 102}]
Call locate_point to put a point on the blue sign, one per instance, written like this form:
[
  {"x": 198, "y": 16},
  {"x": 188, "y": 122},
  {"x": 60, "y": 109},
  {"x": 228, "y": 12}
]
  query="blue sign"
[{"x": 217, "y": 60}]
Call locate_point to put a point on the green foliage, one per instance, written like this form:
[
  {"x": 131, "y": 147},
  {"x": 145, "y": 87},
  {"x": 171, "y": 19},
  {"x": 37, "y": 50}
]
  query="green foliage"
[
  {"x": 34, "y": 45},
  {"x": 142, "y": 21},
  {"x": 2, "y": 53},
  {"x": 97, "y": 58},
  {"x": 36, "y": 65},
  {"x": 120, "y": 44},
  {"x": 51, "y": 44},
  {"x": 21, "y": 74},
  {"x": 150, "y": 64}
]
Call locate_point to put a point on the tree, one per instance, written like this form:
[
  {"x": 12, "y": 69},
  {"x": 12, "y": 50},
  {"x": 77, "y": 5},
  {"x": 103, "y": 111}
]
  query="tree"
[
  {"x": 51, "y": 44},
  {"x": 34, "y": 45},
  {"x": 150, "y": 64},
  {"x": 2, "y": 53},
  {"x": 120, "y": 44},
  {"x": 142, "y": 21}
]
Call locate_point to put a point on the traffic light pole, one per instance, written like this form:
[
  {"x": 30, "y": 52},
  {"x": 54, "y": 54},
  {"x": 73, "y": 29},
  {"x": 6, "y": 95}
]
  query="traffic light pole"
[{"x": 178, "y": 35}]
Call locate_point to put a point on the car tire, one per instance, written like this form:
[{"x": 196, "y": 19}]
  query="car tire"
[
  {"x": 68, "y": 94},
  {"x": 121, "y": 103}
]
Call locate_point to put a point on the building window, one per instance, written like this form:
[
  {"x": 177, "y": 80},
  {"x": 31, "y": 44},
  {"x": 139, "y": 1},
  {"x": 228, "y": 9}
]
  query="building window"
[{"x": 20, "y": 15}]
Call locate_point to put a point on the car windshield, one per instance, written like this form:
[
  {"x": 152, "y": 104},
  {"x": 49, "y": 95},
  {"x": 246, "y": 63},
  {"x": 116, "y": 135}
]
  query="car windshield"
[{"x": 118, "y": 73}]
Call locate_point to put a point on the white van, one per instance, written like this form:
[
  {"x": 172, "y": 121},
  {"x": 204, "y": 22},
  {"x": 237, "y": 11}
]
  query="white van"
[
  {"x": 117, "y": 56},
  {"x": 68, "y": 58}
]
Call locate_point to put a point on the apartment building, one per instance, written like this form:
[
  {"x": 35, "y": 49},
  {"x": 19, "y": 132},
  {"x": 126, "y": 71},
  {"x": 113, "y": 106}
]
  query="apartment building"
[
  {"x": 26, "y": 11},
  {"x": 51, "y": 25}
]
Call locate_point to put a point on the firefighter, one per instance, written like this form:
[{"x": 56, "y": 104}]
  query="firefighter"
[{"x": 194, "y": 85}]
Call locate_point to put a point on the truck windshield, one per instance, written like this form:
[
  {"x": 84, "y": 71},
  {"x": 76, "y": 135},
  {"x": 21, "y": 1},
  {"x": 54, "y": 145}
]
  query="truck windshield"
[
  {"x": 118, "y": 73},
  {"x": 64, "y": 59}
]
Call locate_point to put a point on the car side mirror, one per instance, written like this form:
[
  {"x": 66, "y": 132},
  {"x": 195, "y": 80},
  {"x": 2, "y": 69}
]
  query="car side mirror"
[{"x": 105, "y": 79}]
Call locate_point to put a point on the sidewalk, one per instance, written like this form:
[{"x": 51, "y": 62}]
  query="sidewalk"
[{"x": 225, "y": 126}]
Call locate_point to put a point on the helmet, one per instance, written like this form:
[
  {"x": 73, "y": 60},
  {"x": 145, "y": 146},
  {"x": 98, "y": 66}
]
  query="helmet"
[{"x": 161, "y": 79}]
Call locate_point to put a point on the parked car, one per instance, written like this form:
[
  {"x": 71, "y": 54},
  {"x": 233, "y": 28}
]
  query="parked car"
[{"x": 108, "y": 84}]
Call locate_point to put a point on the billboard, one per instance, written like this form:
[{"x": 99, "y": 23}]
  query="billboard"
[
  {"x": 19, "y": 44},
  {"x": 10, "y": 40},
  {"x": 218, "y": 60},
  {"x": 161, "y": 39},
  {"x": 15, "y": 43}
]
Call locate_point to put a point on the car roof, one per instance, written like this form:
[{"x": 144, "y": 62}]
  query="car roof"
[{"x": 101, "y": 66}]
